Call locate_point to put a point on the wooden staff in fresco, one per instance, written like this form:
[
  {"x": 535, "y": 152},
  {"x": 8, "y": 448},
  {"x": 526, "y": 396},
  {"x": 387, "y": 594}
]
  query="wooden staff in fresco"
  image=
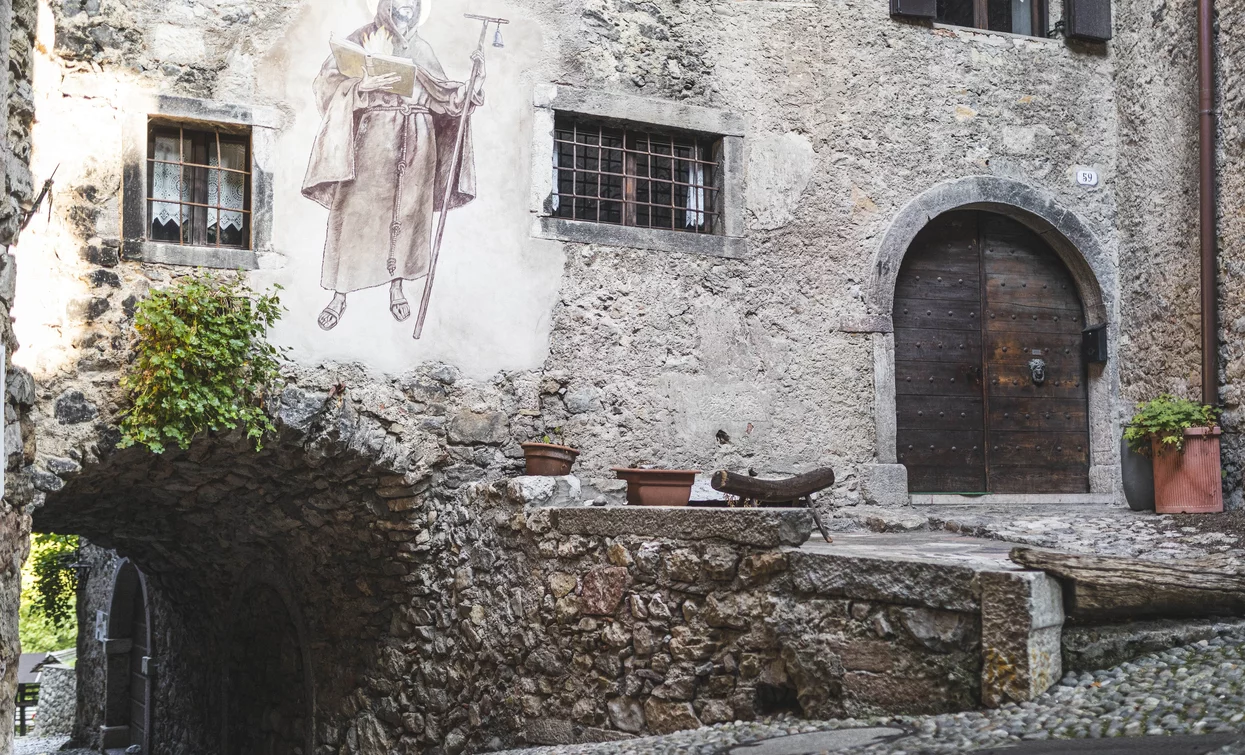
[{"x": 454, "y": 160}]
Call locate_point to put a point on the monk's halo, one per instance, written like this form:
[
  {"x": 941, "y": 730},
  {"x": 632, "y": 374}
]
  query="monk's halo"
[{"x": 425, "y": 10}]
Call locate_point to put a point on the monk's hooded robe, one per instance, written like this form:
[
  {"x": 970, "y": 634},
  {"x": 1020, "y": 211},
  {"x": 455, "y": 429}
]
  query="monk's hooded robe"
[{"x": 381, "y": 162}]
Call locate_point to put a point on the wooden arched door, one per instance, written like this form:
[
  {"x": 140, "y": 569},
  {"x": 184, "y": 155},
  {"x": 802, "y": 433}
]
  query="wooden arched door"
[
  {"x": 127, "y": 684},
  {"x": 990, "y": 380}
]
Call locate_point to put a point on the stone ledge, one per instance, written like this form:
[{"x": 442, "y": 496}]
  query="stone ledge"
[{"x": 763, "y": 528}]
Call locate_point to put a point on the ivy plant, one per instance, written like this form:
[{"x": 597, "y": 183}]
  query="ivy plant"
[
  {"x": 1165, "y": 419},
  {"x": 202, "y": 362}
]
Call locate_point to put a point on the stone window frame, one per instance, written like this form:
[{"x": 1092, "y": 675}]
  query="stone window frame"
[
  {"x": 263, "y": 123},
  {"x": 552, "y": 99}
]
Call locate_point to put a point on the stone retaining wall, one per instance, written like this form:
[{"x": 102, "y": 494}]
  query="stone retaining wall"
[
  {"x": 473, "y": 618},
  {"x": 57, "y": 698}
]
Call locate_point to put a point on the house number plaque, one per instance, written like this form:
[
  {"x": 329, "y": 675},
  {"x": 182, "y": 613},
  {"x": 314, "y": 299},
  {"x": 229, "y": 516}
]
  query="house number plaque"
[{"x": 1086, "y": 177}]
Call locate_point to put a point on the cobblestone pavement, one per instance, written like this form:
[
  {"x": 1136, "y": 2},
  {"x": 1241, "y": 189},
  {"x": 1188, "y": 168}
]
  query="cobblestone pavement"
[
  {"x": 1197, "y": 689},
  {"x": 38, "y": 745}
]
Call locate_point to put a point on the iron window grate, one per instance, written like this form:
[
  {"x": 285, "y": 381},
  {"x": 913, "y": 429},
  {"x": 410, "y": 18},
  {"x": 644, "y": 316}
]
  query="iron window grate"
[
  {"x": 198, "y": 186},
  {"x": 629, "y": 175}
]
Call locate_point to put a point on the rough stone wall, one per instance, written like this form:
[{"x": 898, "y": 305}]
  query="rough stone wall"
[
  {"x": 17, "y": 27},
  {"x": 1230, "y": 42},
  {"x": 1155, "y": 48},
  {"x": 94, "y": 594},
  {"x": 442, "y": 615},
  {"x": 57, "y": 701}
]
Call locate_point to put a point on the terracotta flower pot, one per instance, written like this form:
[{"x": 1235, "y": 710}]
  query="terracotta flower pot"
[
  {"x": 657, "y": 487},
  {"x": 548, "y": 460},
  {"x": 1191, "y": 481}
]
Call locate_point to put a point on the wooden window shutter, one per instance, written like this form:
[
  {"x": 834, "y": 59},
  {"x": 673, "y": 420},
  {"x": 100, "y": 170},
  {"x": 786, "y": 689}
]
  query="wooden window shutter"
[
  {"x": 914, "y": 8},
  {"x": 1088, "y": 19}
]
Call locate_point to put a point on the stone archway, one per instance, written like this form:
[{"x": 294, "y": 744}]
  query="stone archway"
[
  {"x": 128, "y": 662},
  {"x": 1086, "y": 258},
  {"x": 269, "y": 688}
]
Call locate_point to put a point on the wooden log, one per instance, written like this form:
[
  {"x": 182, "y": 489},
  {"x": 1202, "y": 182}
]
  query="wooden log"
[
  {"x": 772, "y": 491},
  {"x": 1103, "y": 587}
]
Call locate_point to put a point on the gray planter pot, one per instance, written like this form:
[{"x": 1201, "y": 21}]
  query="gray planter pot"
[{"x": 1138, "y": 473}]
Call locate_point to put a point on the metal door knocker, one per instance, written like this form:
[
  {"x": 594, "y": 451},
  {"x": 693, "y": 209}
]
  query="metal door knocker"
[{"x": 1037, "y": 371}]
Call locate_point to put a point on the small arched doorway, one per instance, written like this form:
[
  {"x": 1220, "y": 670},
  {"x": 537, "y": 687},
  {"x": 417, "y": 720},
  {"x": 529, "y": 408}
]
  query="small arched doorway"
[
  {"x": 991, "y": 387},
  {"x": 129, "y": 665},
  {"x": 268, "y": 694}
]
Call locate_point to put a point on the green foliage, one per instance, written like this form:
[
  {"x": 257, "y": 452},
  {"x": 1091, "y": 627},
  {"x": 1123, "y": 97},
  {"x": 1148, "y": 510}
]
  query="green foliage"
[
  {"x": 202, "y": 362},
  {"x": 47, "y": 620},
  {"x": 1165, "y": 419}
]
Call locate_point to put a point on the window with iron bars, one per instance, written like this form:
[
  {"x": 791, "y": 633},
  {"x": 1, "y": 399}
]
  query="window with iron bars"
[
  {"x": 199, "y": 186},
  {"x": 631, "y": 175}
]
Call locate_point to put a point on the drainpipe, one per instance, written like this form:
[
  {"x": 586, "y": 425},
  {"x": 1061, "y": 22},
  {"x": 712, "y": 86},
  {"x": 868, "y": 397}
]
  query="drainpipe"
[{"x": 1209, "y": 236}]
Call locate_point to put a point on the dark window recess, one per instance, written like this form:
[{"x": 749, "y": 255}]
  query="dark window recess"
[
  {"x": 1013, "y": 16},
  {"x": 199, "y": 186},
  {"x": 629, "y": 175}
]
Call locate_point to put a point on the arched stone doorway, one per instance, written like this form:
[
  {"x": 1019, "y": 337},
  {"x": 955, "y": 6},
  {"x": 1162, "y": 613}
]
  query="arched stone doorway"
[
  {"x": 269, "y": 697},
  {"x": 1091, "y": 272},
  {"x": 990, "y": 378},
  {"x": 129, "y": 671}
]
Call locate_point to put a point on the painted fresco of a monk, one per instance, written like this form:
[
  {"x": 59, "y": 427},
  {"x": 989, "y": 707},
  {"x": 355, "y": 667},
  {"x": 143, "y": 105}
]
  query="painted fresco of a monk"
[{"x": 381, "y": 162}]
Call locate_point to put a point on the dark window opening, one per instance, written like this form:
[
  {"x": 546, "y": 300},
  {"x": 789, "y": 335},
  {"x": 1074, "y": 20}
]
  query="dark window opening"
[
  {"x": 629, "y": 175},
  {"x": 199, "y": 186},
  {"x": 1026, "y": 17},
  {"x": 776, "y": 699}
]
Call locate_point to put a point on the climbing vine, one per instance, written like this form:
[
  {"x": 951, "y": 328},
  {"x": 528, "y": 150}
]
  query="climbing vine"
[{"x": 202, "y": 362}]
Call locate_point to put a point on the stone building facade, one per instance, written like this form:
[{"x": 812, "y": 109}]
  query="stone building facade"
[
  {"x": 17, "y": 27},
  {"x": 347, "y": 557}
]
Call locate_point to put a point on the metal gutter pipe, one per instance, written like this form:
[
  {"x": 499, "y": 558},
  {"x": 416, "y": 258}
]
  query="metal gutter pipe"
[{"x": 1209, "y": 232}]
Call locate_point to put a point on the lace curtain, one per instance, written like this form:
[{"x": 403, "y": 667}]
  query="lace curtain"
[
  {"x": 170, "y": 189},
  {"x": 227, "y": 189},
  {"x": 166, "y": 184}
]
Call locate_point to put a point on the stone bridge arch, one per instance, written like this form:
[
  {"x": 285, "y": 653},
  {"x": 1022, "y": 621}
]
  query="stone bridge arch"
[
  {"x": 296, "y": 554},
  {"x": 1086, "y": 257}
]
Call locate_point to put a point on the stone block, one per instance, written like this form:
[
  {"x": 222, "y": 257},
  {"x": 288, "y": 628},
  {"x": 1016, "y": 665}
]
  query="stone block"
[
  {"x": 626, "y": 714},
  {"x": 546, "y": 491},
  {"x": 763, "y": 528},
  {"x": 562, "y": 584},
  {"x": 683, "y": 565},
  {"x": 602, "y": 589},
  {"x": 668, "y": 717},
  {"x": 867, "y": 655},
  {"x": 884, "y": 484},
  {"x": 72, "y": 408},
  {"x": 1021, "y": 623},
  {"x": 887, "y": 580},
  {"x": 759, "y": 567},
  {"x": 487, "y": 428},
  {"x": 940, "y": 631}
]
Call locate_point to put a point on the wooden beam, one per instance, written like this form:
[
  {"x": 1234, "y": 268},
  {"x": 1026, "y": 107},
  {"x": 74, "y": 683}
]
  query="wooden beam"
[
  {"x": 772, "y": 491},
  {"x": 1104, "y": 587}
]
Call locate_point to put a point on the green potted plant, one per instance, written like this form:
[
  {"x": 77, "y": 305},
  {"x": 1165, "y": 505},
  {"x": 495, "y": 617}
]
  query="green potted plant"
[
  {"x": 548, "y": 459},
  {"x": 1182, "y": 437}
]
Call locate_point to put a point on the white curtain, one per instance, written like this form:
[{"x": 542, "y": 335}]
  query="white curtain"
[
  {"x": 227, "y": 189},
  {"x": 695, "y": 195},
  {"x": 557, "y": 198},
  {"x": 167, "y": 182}
]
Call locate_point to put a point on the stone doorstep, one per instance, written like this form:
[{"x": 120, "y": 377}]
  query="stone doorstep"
[{"x": 1021, "y": 611}]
